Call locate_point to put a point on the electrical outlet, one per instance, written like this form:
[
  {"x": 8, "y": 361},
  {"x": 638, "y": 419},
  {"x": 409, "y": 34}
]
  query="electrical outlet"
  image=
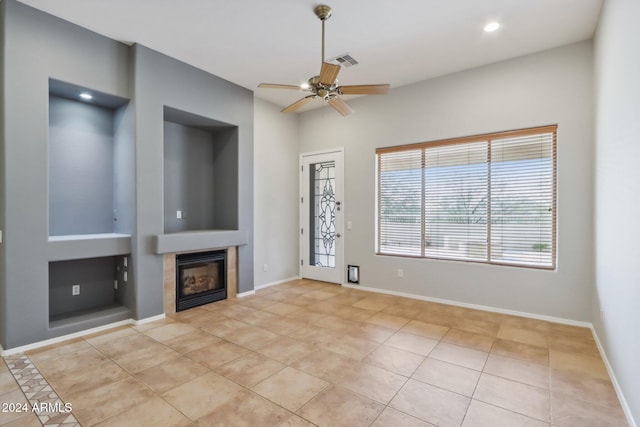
[
  {"x": 400, "y": 272},
  {"x": 264, "y": 267},
  {"x": 125, "y": 261},
  {"x": 179, "y": 214},
  {"x": 75, "y": 290},
  {"x": 115, "y": 285},
  {"x": 125, "y": 276}
]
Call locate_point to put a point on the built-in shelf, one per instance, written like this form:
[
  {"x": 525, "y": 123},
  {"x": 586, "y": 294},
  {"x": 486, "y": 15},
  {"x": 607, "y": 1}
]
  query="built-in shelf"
[
  {"x": 85, "y": 293},
  {"x": 190, "y": 241},
  {"x": 90, "y": 318},
  {"x": 80, "y": 246}
]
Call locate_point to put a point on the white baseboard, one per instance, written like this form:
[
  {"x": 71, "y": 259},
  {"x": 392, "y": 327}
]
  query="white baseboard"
[
  {"x": 85, "y": 332},
  {"x": 149, "y": 319},
  {"x": 474, "y": 306},
  {"x": 245, "y": 294},
  {"x": 278, "y": 282},
  {"x": 614, "y": 380}
]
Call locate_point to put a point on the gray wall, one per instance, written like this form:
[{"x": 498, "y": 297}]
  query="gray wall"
[
  {"x": 162, "y": 81},
  {"x": 276, "y": 197},
  {"x": 616, "y": 295},
  {"x": 81, "y": 168},
  {"x": 550, "y": 87},
  {"x": 3, "y": 318},
  {"x": 226, "y": 191},
  {"x": 200, "y": 178},
  {"x": 39, "y": 47},
  {"x": 124, "y": 155},
  {"x": 188, "y": 178},
  {"x": 95, "y": 277}
]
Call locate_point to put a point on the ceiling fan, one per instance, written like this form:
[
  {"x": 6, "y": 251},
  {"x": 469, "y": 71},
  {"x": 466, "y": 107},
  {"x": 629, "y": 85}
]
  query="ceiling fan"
[{"x": 325, "y": 86}]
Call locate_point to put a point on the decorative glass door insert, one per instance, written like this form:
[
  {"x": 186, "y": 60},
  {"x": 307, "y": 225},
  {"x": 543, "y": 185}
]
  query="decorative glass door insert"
[{"x": 323, "y": 215}]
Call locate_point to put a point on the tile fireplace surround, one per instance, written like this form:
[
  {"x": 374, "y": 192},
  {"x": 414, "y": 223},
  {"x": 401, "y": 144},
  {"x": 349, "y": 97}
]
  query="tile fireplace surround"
[{"x": 169, "y": 264}]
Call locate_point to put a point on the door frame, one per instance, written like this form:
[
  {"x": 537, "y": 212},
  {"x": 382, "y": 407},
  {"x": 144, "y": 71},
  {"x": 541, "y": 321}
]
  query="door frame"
[{"x": 304, "y": 214}]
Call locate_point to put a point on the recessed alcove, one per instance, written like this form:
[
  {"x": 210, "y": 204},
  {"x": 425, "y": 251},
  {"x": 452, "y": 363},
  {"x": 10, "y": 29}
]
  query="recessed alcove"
[
  {"x": 200, "y": 173},
  {"x": 90, "y": 162},
  {"x": 90, "y": 188},
  {"x": 101, "y": 282}
]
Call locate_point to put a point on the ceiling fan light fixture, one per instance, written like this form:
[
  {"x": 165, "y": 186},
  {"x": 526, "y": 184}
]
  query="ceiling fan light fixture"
[
  {"x": 304, "y": 85},
  {"x": 491, "y": 27}
]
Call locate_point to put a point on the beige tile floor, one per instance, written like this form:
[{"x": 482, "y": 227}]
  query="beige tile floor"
[{"x": 307, "y": 353}]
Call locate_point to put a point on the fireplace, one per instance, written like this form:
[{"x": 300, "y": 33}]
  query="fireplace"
[{"x": 201, "y": 278}]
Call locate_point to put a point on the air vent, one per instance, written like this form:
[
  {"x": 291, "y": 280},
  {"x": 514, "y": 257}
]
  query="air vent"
[{"x": 345, "y": 60}]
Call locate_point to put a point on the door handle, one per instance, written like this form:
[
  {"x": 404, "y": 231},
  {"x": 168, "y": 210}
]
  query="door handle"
[{"x": 337, "y": 234}]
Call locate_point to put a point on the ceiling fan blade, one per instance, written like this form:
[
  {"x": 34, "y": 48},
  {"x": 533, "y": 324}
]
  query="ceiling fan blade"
[
  {"x": 364, "y": 90},
  {"x": 340, "y": 106},
  {"x": 329, "y": 73},
  {"x": 296, "y": 105},
  {"x": 277, "y": 86}
]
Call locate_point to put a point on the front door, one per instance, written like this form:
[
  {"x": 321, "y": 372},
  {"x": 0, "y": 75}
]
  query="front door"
[{"x": 321, "y": 190}]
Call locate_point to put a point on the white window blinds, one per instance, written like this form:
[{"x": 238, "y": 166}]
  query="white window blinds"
[{"x": 489, "y": 198}]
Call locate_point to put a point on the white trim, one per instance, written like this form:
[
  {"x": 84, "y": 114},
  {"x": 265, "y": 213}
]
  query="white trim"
[
  {"x": 149, "y": 319},
  {"x": 474, "y": 306},
  {"x": 277, "y": 282},
  {"x": 327, "y": 151},
  {"x": 245, "y": 294},
  {"x": 85, "y": 332},
  {"x": 614, "y": 381}
]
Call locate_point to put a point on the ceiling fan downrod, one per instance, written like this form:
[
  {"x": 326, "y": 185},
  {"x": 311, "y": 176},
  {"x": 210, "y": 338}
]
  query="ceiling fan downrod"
[{"x": 323, "y": 12}]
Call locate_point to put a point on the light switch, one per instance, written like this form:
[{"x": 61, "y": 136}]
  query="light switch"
[
  {"x": 349, "y": 225},
  {"x": 125, "y": 276},
  {"x": 179, "y": 214}
]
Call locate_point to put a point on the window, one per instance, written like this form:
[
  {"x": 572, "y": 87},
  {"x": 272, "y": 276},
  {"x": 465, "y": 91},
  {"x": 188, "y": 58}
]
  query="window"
[{"x": 488, "y": 198}]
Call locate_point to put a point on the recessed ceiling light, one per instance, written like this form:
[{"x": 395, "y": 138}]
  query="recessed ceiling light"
[
  {"x": 86, "y": 95},
  {"x": 491, "y": 27}
]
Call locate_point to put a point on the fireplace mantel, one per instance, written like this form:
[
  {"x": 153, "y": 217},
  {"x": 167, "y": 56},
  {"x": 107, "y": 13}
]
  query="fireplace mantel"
[{"x": 190, "y": 241}]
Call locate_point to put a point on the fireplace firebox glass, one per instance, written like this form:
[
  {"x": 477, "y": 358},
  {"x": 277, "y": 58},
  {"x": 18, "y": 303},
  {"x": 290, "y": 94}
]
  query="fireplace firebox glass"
[{"x": 200, "y": 278}]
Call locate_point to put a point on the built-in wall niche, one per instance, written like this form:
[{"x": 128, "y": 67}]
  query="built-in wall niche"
[
  {"x": 86, "y": 290},
  {"x": 91, "y": 164},
  {"x": 200, "y": 173}
]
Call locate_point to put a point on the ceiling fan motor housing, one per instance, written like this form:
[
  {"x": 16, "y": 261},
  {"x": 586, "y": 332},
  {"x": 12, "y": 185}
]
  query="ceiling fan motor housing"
[{"x": 323, "y": 91}]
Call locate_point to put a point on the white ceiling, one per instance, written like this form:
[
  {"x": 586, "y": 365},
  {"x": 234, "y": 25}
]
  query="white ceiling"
[{"x": 278, "y": 41}]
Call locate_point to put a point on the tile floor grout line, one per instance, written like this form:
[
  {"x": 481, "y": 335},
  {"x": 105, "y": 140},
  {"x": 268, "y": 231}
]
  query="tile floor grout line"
[{"x": 213, "y": 370}]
